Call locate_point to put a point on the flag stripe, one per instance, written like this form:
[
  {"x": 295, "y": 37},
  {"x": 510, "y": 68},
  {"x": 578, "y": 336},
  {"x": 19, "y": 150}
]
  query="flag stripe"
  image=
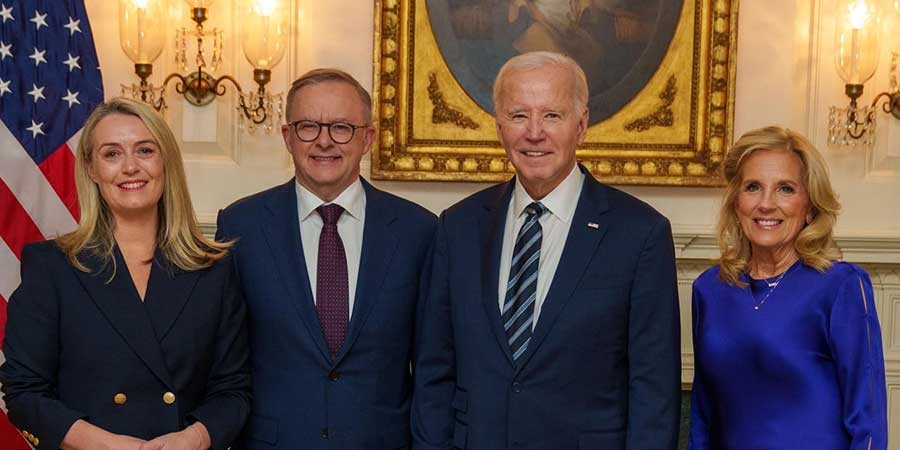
[
  {"x": 59, "y": 169},
  {"x": 9, "y": 276},
  {"x": 34, "y": 192},
  {"x": 10, "y": 437},
  {"x": 16, "y": 227}
]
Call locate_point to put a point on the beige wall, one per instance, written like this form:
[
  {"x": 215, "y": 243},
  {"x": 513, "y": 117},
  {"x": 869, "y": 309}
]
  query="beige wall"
[{"x": 785, "y": 75}]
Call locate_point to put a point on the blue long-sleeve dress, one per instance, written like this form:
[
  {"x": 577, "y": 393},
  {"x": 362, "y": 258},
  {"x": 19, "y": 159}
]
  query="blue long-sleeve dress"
[{"x": 804, "y": 371}]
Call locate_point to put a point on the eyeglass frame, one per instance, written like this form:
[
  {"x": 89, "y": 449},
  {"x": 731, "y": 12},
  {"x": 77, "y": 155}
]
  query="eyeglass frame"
[{"x": 327, "y": 125}]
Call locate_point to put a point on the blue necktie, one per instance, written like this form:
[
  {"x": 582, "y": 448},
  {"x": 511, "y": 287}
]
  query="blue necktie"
[{"x": 521, "y": 289}]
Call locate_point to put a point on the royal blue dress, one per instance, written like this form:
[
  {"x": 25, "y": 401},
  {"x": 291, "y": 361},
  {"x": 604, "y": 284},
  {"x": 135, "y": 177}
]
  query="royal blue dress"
[{"x": 804, "y": 371}]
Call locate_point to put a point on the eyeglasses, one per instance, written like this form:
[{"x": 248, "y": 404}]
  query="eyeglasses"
[{"x": 340, "y": 132}]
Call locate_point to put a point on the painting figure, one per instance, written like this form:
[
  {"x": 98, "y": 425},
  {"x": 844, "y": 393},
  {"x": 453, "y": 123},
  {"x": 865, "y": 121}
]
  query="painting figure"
[{"x": 619, "y": 43}]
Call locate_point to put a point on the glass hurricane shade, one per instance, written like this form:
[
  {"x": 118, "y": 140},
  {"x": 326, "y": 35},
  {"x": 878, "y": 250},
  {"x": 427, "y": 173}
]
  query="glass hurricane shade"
[
  {"x": 857, "y": 40},
  {"x": 199, "y": 3},
  {"x": 142, "y": 29},
  {"x": 265, "y": 31}
]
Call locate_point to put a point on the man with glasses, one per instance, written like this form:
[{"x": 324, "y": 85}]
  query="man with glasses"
[
  {"x": 552, "y": 314},
  {"x": 330, "y": 270}
]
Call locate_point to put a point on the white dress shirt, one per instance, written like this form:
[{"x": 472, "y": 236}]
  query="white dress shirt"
[
  {"x": 555, "y": 223},
  {"x": 350, "y": 228}
]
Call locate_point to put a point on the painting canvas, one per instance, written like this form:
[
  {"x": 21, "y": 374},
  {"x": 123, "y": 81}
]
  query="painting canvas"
[{"x": 660, "y": 74}]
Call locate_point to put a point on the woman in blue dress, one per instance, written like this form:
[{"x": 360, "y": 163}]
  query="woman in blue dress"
[{"x": 787, "y": 344}]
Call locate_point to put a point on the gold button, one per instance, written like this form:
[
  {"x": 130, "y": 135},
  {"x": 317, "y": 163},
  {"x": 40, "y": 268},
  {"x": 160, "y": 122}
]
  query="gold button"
[
  {"x": 24, "y": 433},
  {"x": 168, "y": 398},
  {"x": 120, "y": 398},
  {"x": 37, "y": 442}
]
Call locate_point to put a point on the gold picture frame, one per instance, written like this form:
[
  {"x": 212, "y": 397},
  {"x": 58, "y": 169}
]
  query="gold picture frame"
[{"x": 433, "y": 123}]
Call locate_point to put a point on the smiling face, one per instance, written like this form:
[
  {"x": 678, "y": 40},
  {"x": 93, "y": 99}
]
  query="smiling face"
[
  {"x": 773, "y": 203},
  {"x": 322, "y": 166},
  {"x": 539, "y": 126},
  {"x": 127, "y": 166}
]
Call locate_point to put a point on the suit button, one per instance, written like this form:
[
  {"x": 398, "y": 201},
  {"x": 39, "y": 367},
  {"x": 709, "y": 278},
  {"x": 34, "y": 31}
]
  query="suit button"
[
  {"x": 168, "y": 398},
  {"x": 517, "y": 387},
  {"x": 36, "y": 442},
  {"x": 334, "y": 375},
  {"x": 120, "y": 398},
  {"x": 324, "y": 433}
]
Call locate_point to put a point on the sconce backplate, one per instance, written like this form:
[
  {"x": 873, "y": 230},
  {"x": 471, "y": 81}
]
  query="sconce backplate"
[{"x": 200, "y": 88}]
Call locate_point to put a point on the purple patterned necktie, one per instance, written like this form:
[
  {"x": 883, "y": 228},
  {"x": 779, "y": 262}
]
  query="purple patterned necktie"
[{"x": 332, "y": 299}]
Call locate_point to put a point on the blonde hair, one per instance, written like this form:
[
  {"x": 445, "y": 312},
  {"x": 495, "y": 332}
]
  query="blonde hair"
[
  {"x": 537, "y": 60},
  {"x": 815, "y": 243},
  {"x": 178, "y": 236}
]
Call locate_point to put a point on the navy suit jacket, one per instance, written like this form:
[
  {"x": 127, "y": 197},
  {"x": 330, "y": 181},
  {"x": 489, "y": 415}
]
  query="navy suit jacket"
[
  {"x": 303, "y": 399},
  {"x": 75, "y": 341},
  {"x": 602, "y": 368}
]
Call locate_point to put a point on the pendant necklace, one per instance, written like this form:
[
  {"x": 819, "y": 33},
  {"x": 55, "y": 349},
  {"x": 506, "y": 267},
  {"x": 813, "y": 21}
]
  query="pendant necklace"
[{"x": 772, "y": 285}]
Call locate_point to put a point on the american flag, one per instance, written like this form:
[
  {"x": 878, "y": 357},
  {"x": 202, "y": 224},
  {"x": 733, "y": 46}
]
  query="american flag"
[{"x": 49, "y": 83}]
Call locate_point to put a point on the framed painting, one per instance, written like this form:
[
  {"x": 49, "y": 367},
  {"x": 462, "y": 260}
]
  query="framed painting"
[{"x": 660, "y": 74}]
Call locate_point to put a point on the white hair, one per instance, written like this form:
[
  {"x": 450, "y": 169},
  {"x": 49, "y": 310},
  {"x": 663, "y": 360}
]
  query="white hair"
[{"x": 537, "y": 60}]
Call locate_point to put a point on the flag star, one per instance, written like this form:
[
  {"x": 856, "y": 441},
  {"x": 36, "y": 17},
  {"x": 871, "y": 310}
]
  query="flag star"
[
  {"x": 4, "y": 87},
  {"x": 6, "y": 13},
  {"x": 38, "y": 57},
  {"x": 37, "y": 92},
  {"x": 72, "y": 62},
  {"x": 73, "y": 26},
  {"x": 4, "y": 50},
  {"x": 39, "y": 19},
  {"x": 71, "y": 98},
  {"x": 36, "y": 129}
]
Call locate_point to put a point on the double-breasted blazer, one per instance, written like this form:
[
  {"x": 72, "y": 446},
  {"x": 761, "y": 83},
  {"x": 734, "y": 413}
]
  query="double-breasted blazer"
[
  {"x": 302, "y": 398},
  {"x": 602, "y": 368},
  {"x": 83, "y": 346}
]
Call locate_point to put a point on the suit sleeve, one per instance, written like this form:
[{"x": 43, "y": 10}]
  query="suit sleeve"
[
  {"x": 227, "y": 402},
  {"x": 855, "y": 339},
  {"x": 31, "y": 348},
  {"x": 435, "y": 357},
  {"x": 698, "y": 437},
  {"x": 654, "y": 346}
]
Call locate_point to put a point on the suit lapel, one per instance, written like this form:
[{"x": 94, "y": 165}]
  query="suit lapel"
[
  {"x": 168, "y": 291},
  {"x": 491, "y": 226},
  {"x": 282, "y": 232},
  {"x": 118, "y": 301},
  {"x": 378, "y": 248},
  {"x": 589, "y": 225}
]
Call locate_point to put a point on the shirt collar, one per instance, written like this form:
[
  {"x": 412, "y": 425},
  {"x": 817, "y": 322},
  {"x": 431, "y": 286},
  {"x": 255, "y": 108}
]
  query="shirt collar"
[
  {"x": 352, "y": 200},
  {"x": 560, "y": 201}
]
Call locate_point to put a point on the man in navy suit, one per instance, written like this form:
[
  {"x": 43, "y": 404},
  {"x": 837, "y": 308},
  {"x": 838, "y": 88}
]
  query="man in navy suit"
[
  {"x": 551, "y": 321},
  {"x": 330, "y": 269}
]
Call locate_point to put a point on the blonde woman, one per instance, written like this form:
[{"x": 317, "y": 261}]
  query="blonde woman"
[
  {"x": 786, "y": 339},
  {"x": 129, "y": 332}
]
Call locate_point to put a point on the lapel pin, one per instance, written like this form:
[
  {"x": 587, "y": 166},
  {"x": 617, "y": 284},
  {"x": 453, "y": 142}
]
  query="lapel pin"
[{"x": 593, "y": 225}]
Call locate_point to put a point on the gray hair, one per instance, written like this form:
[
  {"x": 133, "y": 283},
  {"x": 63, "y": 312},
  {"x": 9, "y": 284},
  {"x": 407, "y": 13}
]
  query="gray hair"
[
  {"x": 317, "y": 76},
  {"x": 537, "y": 60}
]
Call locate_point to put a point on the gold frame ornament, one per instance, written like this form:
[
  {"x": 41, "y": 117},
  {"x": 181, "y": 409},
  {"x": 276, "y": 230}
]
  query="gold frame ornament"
[{"x": 674, "y": 131}]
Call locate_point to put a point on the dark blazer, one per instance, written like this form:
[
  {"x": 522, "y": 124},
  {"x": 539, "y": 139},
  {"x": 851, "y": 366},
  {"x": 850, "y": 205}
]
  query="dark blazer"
[
  {"x": 301, "y": 398},
  {"x": 602, "y": 368},
  {"x": 80, "y": 347}
]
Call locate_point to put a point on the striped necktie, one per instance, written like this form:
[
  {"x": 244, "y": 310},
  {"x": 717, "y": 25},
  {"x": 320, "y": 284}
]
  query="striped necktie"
[{"x": 521, "y": 289}]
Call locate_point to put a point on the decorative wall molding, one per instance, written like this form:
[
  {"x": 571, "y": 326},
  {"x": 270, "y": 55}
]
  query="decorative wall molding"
[{"x": 858, "y": 250}]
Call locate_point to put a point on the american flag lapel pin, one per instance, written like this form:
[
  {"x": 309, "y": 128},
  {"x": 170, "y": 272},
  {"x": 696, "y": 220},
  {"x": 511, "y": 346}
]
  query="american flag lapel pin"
[{"x": 594, "y": 225}]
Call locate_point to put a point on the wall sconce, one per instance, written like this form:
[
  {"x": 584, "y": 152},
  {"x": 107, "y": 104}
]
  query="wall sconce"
[
  {"x": 857, "y": 33},
  {"x": 264, "y": 24}
]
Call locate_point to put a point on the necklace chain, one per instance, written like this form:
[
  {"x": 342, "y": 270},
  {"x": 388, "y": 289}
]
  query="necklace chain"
[{"x": 772, "y": 285}]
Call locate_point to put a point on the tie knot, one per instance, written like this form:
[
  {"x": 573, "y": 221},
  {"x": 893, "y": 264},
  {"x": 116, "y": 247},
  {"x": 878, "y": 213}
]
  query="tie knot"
[
  {"x": 330, "y": 213},
  {"x": 536, "y": 209}
]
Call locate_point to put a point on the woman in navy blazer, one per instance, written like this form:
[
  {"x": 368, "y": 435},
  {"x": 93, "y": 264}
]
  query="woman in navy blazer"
[{"x": 128, "y": 333}]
